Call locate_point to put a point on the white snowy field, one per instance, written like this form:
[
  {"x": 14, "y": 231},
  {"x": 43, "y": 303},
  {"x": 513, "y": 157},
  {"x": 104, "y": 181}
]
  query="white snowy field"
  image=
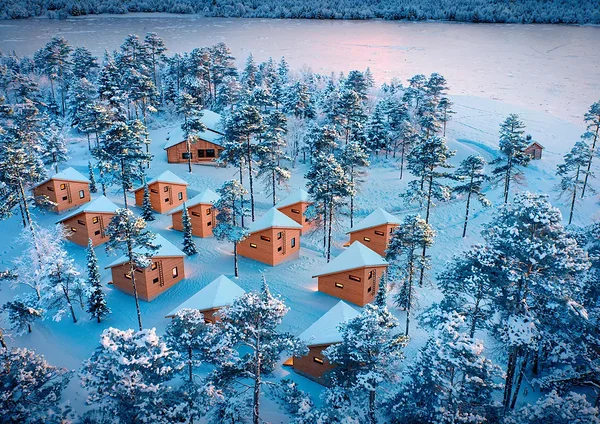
[{"x": 551, "y": 68}]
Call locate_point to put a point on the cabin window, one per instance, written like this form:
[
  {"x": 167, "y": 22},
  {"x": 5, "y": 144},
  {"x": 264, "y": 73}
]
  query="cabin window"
[
  {"x": 265, "y": 238},
  {"x": 295, "y": 211},
  {"x": 180, "y": 196},
  {"x": 155, "y": 280},
  {"x": 50, "y": 188},
  {"x": 318, "y": 360},
  {"x": 392, "y": 230},
  {"x": 354, "y": 278},
  {"x": 379, "y": 233},
  {"x": 369, "y": 289},
  {"x": 166, "y": 189},
  {"x": 367, "y": 239},
  {"x": 210, "y": 153},
  {"x": 152, "y": 190},
  {"x": 97, "y": 232},
  {"x": 81, "y": 222},
  {"x": 154, "y": 266},
  {"x": 279, "y": 235},
  {"x": 371, "y": 274},
  {"x": 63, "y": 186},
  {"x": 339, "y": 285},
  {"x": 138, "y": 270},
  {"x": 167, "y": 199},
  {"x": 65, "y": 197},
  {"x": 127, "y": 275},
  {"x": 253, "y": 245},
  {"x": 208, "y": 224},
  {"x": 195, "y": 214},
  {"x": 200, "y": 153},
  {"x": 95, "y": 220},
  {"x": 293, "y": 243},
  {"x": 186, "y": 155},
  {"x": 175, "y": 272},
  {"x": 280, "y": 248},
  {"x": 81, "y": 194},
  {"x": 208, "y": 211},
  {"x": 74, "y": 229}
]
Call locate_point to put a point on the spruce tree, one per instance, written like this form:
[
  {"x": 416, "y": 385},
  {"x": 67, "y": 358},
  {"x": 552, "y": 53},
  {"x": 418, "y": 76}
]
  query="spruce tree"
[
  {"x": 96, "y": 304},
  {"x": 191, "y": 110},
  {"x": 21, "y": 315},
  {"x": 353, "y": 157},
  {"x": 471, "y": 171},
  {"x": 229, "y": 209},
  {"x": 592, "y": 119},
  {"x": 573, "y": 172},
  {"x": 54, "y": 149},
  {"x": 189, "y": 246},
  {"x": 147, "y": 211},
  {"x": 271, "y": 153},
  {"x": 92, "y": 178}
]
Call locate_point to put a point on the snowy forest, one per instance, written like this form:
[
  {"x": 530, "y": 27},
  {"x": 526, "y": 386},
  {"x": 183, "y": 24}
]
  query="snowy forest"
[
  {"x": 511, "y": 335},
  {"x": 502, "y": 11}
]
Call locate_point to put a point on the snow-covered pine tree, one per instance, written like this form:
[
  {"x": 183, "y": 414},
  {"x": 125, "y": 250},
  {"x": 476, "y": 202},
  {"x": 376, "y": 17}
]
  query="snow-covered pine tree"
[
  {"x": 512, "y": 146},
  {"x": 350, "y": 111},
  {"x": 357, "y": 82},
  {"x": 189, "y": 245},
  {"x": 378, "y": 136},
  {"x": 415, "y": 92},
  {"x": 353, "y": 157},
  {"x": 320, "y": 139},
  {"x": 191, "y": 110},
  {"x": 271, "y": 153},
  {"x": 30, "y": 388},
  {"x": 126, "y": 233},
  {"x": 592, "y": 120},
  {"x": 54, "y": 145},
  {"x": 446, "y": 112},
  {"x": 573, "y": 172},
  {"x": 251, "y": 323},
  {"x": 555, "y": 408},
  {"x": 147, "y": 211},
  {"x": 155, "y": 48},
  {"x": 471, "y": 172},
  {"x": 535, "y": 284},
  {"x": 369, "y": 354},
  {"x": 92, "y": 178},
  {"x": 249, "y": 74},
  {"x": 407, "y": 138},
  {"x": 229, "y": 207},
  {"x": 127, "y": 374},
  {"x": 83, "y": 64},
  {"x": 298, "y": 101},
  {"x": 450, "y": 381},
  {"x": 21, "y": 315},
  {"x": 96, "y": 303},
  {"x": 82, "y": 95},
  {"x": 54, "y": 61},
  {"x": 404, "y": 253}
]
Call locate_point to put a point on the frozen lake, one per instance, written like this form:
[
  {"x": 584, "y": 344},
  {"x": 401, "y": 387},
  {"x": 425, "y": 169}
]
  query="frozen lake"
[{"x": 554, "y": 69}]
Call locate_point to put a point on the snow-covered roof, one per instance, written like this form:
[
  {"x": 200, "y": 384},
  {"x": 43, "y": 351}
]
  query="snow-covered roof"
[
  {"x": 375, "y": 218},
  {"x": 356, "y": 256},
  {"x": 218, "y": 293},
  {"x": 166, "y": 250},
  {"x": 295, "y": 196},
  {"x": 69, "y": 174},
  {"x": 207, "y": 197},
  {"x": 99, "y": 205},
  {"x": 213, "y": 134},
  {"x": 325, "y": 330},
  {"x": 273, "y": 218},
  {"x": 165, "y": 177},
  {"x": 534, "y": 143}
]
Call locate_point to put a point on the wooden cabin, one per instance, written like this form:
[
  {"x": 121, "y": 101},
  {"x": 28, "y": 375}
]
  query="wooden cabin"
[
  {"x": 205, "y": 146},
  {"x": 319, "y": 336},
  {"x": 534, "y": 150},
  {"x": 353, "y": 275},
  {"x": 67, "y": 189},
  {"x": 166, "y": 270},
  {"x": 217, "y": 294},
  {"x": 375, "y": 231},
  {"x": 201, "y": 212},
  {"x": 167, "y": 191},
  {"x": 294, "y": 206},
  {"x": 89, "y": 222},
  {"x": 274, "y": 238}
]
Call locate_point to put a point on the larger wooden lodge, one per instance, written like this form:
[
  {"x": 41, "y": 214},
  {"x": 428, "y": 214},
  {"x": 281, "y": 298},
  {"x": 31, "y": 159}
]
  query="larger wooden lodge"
[
  {"x": 375, "y": 231},
  {"x": 201, "y": 213},
  {"x": 65, "y": 190},
  {"x": 273, "y": 238},
  {"x": 206, "y": 146},
  {"x": 218, "y": 293},
  {"x": 319, "y": 336},
  {"x": 167, "y": 191},
  {"x": 294, "y": 206},
  {"x": 89, "y": 222},
  {"x": 166, "y": 270},
  {"x": 353, "y": 275}
]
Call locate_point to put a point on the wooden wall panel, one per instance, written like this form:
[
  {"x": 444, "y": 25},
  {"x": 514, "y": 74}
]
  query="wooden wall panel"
[
  {"x": 359, "y": 293},
  {"x": 162, "y": 201},
  {"x": 376, "y": 242},
  {"x": 202, "y": 224},
  {"x": 268, "y": 252},
  {"x": 80, "y": 233},
  {"x": 66, "y": 198},
  {"x": 300, "y": 218},
  {"x": 175, "y": 153},
  {"x": 308, "y": 367}
]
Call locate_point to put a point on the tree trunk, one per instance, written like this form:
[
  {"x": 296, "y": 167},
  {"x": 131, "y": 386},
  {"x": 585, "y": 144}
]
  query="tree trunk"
[
  {"x": 518, "y": 383},
  {"x": 589, "y": 165},
  {"x": 507, "y": 179},
  {"x": 329, "y": 232},
  {"x": 468, "y": 204},
  {"x": 124, "y": 184},
  {"x": 235, "y": 259},
  {"x": 249, "y": 154},
  {"x": 372, "y": 419},
  {"x": 257, "y": 383},
  {"x": 242, "y": 196},
  {"x": 24, "y": 200},
  {"x": 273, "y": 182},
  {"x": 132, "y": 272},
  {"x": 190, "y": 363},
  {"x": 424, "y": 253},
  {"x": 408, "y": 304},
  {"x": 402, "y": 159},
  {"x": 352, "y": 197},
  {"x": 510, "y": 373},
  {"x": 574, "y": 196},
  {"x": 3, "y": 342},
  {"x": 189, "y": 154}
]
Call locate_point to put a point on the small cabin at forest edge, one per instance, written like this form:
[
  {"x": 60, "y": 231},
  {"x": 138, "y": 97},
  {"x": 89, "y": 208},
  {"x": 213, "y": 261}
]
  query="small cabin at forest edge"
[
  {"x": 534, "y": 150},
  {"x": 294, "y": 206},
  {"x": 375, "y": 230},
  {"x": 166, "y": 270},
  {"x": 218, "y": 293},
  {"x": 66, "y": 190},
  {"x": 353, "y": 275},
  {"x": 167, "y": 191},
  {"x": 273, "y": 239},
  {"x": 205, "y": 146},
  {"x": 319, "y": 336},
  {"x": 201, "y": 213},
  {"x": 89, "y": 222}
]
